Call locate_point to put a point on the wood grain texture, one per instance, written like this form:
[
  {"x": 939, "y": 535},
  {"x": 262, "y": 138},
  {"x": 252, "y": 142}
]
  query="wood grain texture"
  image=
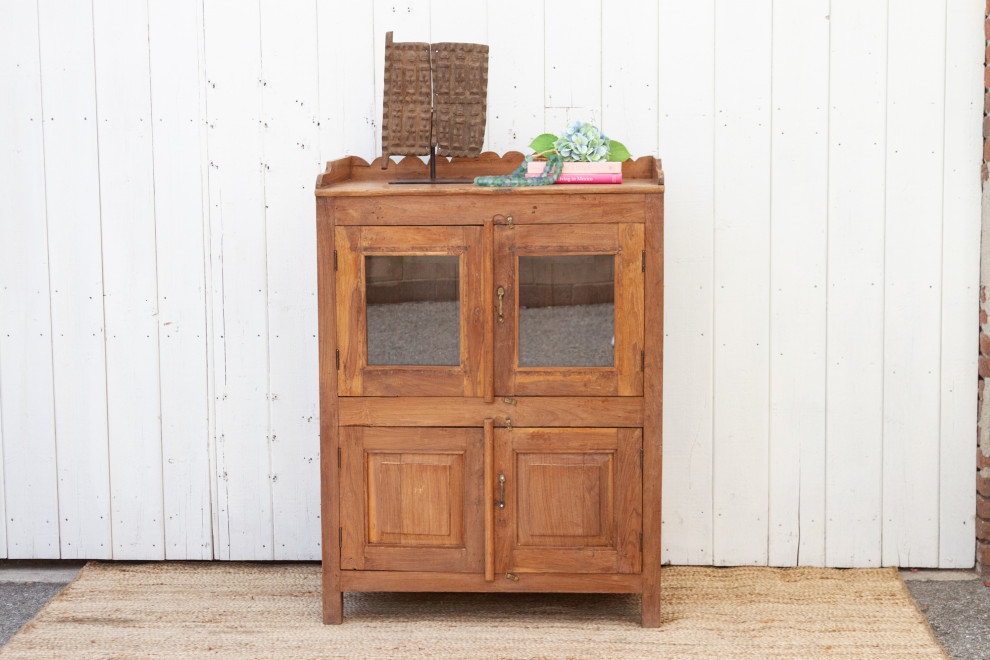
[
  {"x": 356, "y": 376},
  {"x": 489, "y": 497},
  {"x": 653, "y": 413},
  {"x": 524, "y": 411},
  {"x": 614, "y": 583},
  {"x": 333, "y": 602},
  {"x": 572, "y": 500},
  {"x": 623, "y": 241},
  {"x": 411, "y": 499}
]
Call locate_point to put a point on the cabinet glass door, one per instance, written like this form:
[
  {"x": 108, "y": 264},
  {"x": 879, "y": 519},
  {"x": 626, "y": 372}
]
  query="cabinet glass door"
[
  {"x": 410, "y": 301},
  {"x": 569, "y": 304}
]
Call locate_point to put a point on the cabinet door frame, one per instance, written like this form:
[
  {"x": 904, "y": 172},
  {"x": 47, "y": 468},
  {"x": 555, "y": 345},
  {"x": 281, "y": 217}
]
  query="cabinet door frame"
[
  {"x": 624, "y": 527},
  {"x": 358, "y": 551},
  {"x": 355, "y": 377},
  {"x": 625, "y": 376}
]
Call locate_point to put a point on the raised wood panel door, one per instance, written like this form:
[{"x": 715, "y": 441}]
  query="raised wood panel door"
[
  {"x": 411, "y": 499},
  {"x": 411, "y": 320},
  {"x": 569, "y": 309},
  {"x": 573, "y": 500}
]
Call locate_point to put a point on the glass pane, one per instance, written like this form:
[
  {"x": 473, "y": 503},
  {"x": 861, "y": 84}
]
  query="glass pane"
[
  {"x": 567, "y": 311},
  {"x": 413, "y": 310}
]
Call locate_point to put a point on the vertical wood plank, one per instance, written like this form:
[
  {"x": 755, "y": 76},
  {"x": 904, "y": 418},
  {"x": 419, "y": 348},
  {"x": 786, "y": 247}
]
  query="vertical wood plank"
[
  {"x": 515, "y": 74},
  {"x": 28, "y": 488},
  {"x": 333, "y": 602},
  {"x": 629, "y": 74},
  {"x": 687, "y": 99},
  {"x": 742, "y": 282},
  {"x": 240, "y": 282},
  {"x": 572, "y": 63},
  {"x": 349, "y": 120},
  {"x": 179, "y": 168},
  {"x": 798, "y": 232},
  {"x": 964, "y": 44},
  {"x": 130, "y": 297},
  {"x": 652, "y": 435},
  {"x": 410, "y": 21},
  {"x": 76, "y": 271},
  {"x": 291, "y": 135},
  {"x": 854, "y": 332},
  {"x": 453, "y": 20},
  {"x": 913, "y": 282}
]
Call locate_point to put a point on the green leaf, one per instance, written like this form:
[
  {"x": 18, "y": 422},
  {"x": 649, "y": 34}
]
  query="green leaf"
[
  {"x": 617, "y": 151},
  {"x": 543, "y": 143}
]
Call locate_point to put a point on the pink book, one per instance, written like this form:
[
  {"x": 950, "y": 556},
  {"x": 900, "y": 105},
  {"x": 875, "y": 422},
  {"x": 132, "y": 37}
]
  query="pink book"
[{"x": 575, "y": 172}]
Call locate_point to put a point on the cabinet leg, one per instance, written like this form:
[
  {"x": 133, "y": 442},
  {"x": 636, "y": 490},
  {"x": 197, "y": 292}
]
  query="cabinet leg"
[
  {"x": 651, "y": 608},
  {"x": 333, "y": 607}
]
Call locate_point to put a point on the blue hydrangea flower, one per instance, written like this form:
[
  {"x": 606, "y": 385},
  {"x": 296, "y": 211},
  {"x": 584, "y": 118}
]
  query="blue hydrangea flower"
[{"x": 582, "y": 141}]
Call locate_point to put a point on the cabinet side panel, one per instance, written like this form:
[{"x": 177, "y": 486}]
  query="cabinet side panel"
[{"x": 329, "y": 473}]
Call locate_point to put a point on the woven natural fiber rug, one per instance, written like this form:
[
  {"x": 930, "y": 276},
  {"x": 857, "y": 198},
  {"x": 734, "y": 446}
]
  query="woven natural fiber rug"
[{"x": 225, "y": 610}]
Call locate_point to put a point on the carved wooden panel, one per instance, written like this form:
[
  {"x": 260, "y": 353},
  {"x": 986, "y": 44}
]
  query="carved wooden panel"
[
  {"x": 573, "y": 500},
  {"x": 460, "y": 98},
  {"x": 408, "y": 99},
  {"x": 411, "y": 499}
]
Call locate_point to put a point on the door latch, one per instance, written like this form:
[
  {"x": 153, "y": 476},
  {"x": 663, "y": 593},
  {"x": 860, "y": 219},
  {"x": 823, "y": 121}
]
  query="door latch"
[
  {"x": 500, "y": 292},
  {"x": 501, "y": 491}
]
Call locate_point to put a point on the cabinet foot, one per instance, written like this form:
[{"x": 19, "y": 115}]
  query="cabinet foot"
[
  {"x": 651, "y": 609},
  {"x": 333, "y": 607}
]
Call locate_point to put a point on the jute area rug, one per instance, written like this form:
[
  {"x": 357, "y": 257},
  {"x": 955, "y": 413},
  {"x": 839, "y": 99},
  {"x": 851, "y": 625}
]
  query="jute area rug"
[{"x": 234, "y": 610}]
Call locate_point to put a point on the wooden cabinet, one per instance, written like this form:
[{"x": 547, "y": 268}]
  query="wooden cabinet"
[{"x": 490, "y": 382}]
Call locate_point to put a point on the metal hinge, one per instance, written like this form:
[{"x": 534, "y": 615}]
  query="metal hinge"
[
  {"x": 335, "y": 260},
  {"x": 338, "y": 359},
  {"x": 644, "y": 260},
  {"x": 338, "y": 458}
]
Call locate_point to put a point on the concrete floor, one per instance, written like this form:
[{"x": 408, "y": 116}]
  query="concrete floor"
[{"x": 957, "y": 603}]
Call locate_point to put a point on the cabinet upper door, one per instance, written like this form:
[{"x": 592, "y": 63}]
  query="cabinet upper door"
[
  {"x": 569, "y": 309},
  {"x": 410, "y": 319},
  {"x": 573, "y": 500}
]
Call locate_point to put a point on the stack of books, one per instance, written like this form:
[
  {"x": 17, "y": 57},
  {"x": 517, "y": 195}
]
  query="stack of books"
[{"x": 581, "y": 172}]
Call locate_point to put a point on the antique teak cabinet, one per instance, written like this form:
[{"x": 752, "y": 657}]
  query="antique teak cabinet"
[{"x": 490, "y": 382}]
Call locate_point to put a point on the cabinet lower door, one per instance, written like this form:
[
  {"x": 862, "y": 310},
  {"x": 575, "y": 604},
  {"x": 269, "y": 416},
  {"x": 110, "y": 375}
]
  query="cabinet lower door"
[
  {"x": 411, "y": 499},
  {"x": 571, "y": 500}
]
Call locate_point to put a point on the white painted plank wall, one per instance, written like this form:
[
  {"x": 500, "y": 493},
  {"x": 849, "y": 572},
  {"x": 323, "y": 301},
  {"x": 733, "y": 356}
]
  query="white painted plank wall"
[
  {"x": 822, "y": 224},
  {"x": 290, "y": 99},
  {"x": 798, "y": 251},
  {"x": 130, "y": 296},
  {"x": 687, "y": 145},
  {"x": 75, "y": 266},
  {"x": 27, "y": 424},
  {"x": 854, "y": 298},
  {"x": 742, "y": 282},
  {"x": 960, "y": 278},
  {"x": 178, "y": 138}
]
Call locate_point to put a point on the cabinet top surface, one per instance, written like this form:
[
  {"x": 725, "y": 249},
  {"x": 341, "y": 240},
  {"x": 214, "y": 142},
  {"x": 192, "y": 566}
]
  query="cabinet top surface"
[{"x": 353, "y": 177}]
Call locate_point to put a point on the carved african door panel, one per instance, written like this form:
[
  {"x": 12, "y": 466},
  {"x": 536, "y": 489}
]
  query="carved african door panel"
[
  {"x": 570, "y": 314},
  {"x": 410, "y": 319},
  {"x": 572, "y": 498},
  {"x": 411, "y": 499}
]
